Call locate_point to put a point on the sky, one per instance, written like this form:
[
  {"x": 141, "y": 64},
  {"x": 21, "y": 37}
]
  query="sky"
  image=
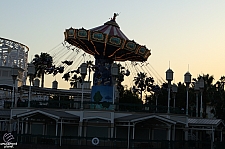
[{"x": 182, "y": 34}]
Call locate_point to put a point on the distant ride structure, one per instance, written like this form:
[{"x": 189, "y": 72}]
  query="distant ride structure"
[
  {"x": 108, "y": 44},
  {"x": 13, "y": 53},
  {"x": 13, "y": 68}
]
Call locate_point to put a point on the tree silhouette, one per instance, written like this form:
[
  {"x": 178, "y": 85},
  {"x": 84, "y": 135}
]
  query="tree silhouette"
[
  {"x": 143, "y": 83},
  {"x": 43, "y": 65}
]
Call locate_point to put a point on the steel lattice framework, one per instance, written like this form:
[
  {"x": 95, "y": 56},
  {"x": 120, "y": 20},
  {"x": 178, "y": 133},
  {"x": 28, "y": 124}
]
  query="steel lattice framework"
[{"x": 14, "y": 53}]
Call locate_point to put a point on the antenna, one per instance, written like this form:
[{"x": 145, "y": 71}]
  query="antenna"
[
  {"x": 188, "y": 67},
  {"x": 169, "y": 64}
]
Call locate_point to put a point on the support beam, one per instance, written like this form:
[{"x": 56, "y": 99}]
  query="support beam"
[
  {"x": 115, "y": 131},
  {"x": 56, "y": 128},
  {"x": 133, "y": 131},
  {"x": 174, "y": 132},
  {"x": 221, "y": 136},
  {"x": 128, "y": 137},
  {"x": 18, "y": 126},
  {"x": 112, "y": 129},
  {"x": 169, "y": 133},
  {"x": 152, "y": 134},
  {"x": 60, "y": 138},
  {"x": 22, "y": 123}
]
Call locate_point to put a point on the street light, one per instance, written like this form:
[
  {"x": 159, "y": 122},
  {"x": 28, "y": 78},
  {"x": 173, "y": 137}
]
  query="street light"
[
  {"x": 201, "y": 86},
  {"x": 30, "y": 73},
  {"x": 83, "y": 72},
  {"x": 187, "y": 80},
  {"x": 114, "y": 73},
  {"x": 196, "y": 88},
  {"x": 174, "y": 89},
  {"x": 169, "y": 78},
  {"x": 14, "y": 75}
]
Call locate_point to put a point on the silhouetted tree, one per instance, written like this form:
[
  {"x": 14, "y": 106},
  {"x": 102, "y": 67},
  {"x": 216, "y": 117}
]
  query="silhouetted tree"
[{"x": 43, "y": 64}]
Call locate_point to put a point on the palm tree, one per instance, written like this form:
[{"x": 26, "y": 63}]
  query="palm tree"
[
  {"x": 42, "y": 63},
  {"x": 143, "y": 83},
  {"x": 73, "y": 81},
  {"x": 218, "y": 101}
]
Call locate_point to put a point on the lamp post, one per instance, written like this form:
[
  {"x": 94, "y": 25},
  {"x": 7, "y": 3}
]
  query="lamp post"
[
  {"x": 30, "y": 73},
  {"x": 201, "y": 86},
  {"x": 187, "y": 80},
  {"x": 169, "y": 78},
  {"x": 196, "y": 88},
  {"x": 114, "y": 73},
  {"x": 174, "y": 89},
  {"x": 14, "y": 75},
  {"x": 83, "y": 72}
]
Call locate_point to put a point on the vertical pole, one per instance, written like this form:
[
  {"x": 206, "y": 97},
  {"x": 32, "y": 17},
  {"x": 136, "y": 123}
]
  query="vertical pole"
[
  {"x": 156, "y": 103},
  {"x": 18, "y": 126},
  {"x": 168, "y": 110},
  {"x": 174, "y": 132},
  {"x": 169, "y": 133},
  {"x": 128, "y": 137},
  {"x": 212, "y": 134},
  {"x": 29, "y": 94},
  {"x": 56, "y": 131},
  {"x": 201, "y": 110},
  {"x": 22, "y": 123},
  {"x": 152, "y": 134},
  {"x": 13, "y": 94},
  {"x": 43, "y": 129},
  {"x": 56, "y": 128},
  {"x": 112, "y": 129},
  {"x": 115, "y": 132},
  {"x": 212, "y": 138},
  {"x": 133, "y": 131},
  {"x": 82, "y": 94},
  {"x": 221, "y": 135},
  {"x": 174, "y": 101},
  {"x": 196, "y": 104},
  {"x": 113, "y": 93},
  {"x": 59, "y": 101},
  {"x": 60, "y": 139},
  {"x": 187, "y": 101},
  {"x": 26, "y": 126},
  {"x": 81, "y": 123}
]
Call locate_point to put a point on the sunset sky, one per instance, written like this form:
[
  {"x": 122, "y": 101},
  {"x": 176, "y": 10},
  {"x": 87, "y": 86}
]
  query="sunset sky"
[{"x": 180, "y": 32}]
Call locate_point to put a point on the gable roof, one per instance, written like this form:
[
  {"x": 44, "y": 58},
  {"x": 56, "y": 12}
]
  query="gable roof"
[
  {"x": 50, "y": 113},
  {"x": 142, "y": 117}
]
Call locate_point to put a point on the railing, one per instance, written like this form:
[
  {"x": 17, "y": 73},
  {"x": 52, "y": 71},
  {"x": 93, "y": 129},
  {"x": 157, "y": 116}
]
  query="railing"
[
  {"x": 70, "y": 141},
  {"x": 74, "y": 141},
  {"x": 97, "y": 106}
]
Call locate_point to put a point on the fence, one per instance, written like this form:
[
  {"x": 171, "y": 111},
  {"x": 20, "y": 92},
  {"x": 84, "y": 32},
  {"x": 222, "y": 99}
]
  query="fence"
[
  {"x": 73, "y": 141},
  {"x": 99, "y": 106}
]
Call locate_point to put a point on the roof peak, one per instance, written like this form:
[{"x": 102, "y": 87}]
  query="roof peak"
[
  {"x": 114, "y": 16},
  {"x": 112, "y": 21}
]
